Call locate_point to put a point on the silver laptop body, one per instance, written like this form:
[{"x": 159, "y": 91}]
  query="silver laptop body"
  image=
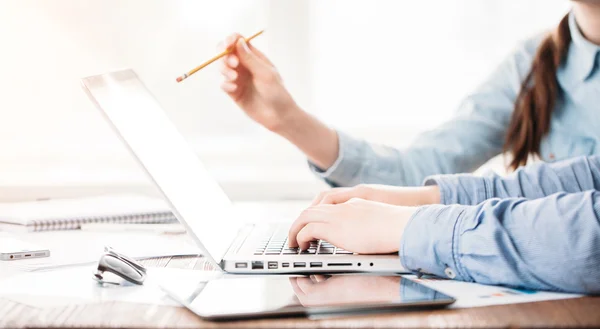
[{"x": 198, "y": 201}]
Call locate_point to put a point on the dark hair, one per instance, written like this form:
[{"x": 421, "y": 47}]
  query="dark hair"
[{"x": 540, "y": 91}]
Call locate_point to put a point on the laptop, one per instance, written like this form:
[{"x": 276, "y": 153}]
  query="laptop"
[{"x": 198, "y": 201}]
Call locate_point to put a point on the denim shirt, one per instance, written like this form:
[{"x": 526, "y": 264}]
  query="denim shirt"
[
  {"x": 538, "y": 228},
  {"x": 477, "y": 131}
]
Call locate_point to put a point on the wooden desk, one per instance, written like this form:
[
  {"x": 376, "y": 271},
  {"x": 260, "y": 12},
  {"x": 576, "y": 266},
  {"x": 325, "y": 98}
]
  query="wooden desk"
[{"x": 580, "y": 312}]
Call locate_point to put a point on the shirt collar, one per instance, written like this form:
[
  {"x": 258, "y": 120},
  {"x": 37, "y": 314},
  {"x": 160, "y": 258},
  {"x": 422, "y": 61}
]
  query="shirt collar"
[{"x": 582, "y": 53}]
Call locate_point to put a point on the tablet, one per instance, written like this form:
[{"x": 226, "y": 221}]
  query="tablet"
[{"x": 242, "y": 297}]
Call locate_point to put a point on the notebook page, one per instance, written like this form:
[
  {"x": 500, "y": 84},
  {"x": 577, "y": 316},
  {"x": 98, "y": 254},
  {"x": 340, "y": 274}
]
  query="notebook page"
[{"x": 28, "y": 213}]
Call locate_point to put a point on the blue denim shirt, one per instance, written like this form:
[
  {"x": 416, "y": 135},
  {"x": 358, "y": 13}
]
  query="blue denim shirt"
[
  {"x": 476, "y": 133},
  {"x": 538, "y": 228}
]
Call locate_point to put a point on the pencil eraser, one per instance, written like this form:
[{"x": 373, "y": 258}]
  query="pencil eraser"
[{"x": 179, "y": 79}]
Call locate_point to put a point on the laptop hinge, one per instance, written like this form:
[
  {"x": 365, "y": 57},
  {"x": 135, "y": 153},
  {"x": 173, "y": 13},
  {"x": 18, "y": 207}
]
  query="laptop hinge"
[{"x": 240, "y": 238}]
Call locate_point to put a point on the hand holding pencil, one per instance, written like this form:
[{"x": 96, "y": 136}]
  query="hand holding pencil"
[
  {"x": 252, "y": 81},
  {"x": 223, "y": 53}
]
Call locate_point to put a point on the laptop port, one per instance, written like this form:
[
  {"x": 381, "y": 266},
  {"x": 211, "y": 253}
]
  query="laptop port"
[
  {"x": 258, "y": 265},
  {"x": 272, "y": 265},
  {"x": 339, "y": 264},
  {"x": 316, "y": 264},
  {"x": 285, "y": 264},
  {"x": 299, "y": 264},
  {"x": 241, "y": 265}
]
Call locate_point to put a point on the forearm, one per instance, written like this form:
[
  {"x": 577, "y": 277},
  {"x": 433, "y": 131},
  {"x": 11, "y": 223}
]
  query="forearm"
[
  {"x": 552, "y": 243},
  {"x": 532, "y": 182},
  {"x": 315, "y": 139}
]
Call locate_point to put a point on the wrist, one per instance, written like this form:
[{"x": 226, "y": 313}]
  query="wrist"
[
  {"x": 315, "y": 139},
  {"x": 430, "y": 195},
  {"x": 288, "y": 120},
  {"x": 403, "y": 217}
]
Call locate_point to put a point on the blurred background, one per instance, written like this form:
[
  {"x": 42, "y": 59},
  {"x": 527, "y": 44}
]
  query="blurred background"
[{"x": 383, "y": 70}]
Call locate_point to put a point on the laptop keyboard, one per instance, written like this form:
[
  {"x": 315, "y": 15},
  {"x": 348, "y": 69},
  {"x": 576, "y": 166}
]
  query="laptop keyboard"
[{"x": 277, "y": 244}]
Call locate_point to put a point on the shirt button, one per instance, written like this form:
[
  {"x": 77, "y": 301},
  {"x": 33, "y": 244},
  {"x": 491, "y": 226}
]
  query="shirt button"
[
  {"x": 450, "y": 273},
  {"x": 551, "y": 156}
]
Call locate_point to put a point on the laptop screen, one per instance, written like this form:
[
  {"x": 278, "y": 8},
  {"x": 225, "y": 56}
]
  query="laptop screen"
[{"x": 195, "y": 197}]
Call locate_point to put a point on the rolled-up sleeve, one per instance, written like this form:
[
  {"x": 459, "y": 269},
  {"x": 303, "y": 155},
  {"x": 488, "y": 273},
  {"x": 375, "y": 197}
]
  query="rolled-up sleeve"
[
  {"x": 431, "y": 233},
  {"x": 551, "y": 243},
  {"x": 532, "y": 182},
  {"x": 346, "y": 168}
]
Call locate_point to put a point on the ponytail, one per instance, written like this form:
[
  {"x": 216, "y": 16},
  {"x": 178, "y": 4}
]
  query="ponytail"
[{"x": 539, "y": 93}]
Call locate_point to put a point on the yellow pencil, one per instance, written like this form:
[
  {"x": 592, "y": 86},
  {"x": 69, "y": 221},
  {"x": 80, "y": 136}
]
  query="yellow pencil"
[{"x": 203, "y": 65}]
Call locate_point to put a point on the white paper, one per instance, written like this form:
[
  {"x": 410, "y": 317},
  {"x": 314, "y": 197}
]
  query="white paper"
[
  {"x": 75, "y": 285},
  {"x": 82, "y": 247},
  {"x": 25, "y": 213},
  {"x": 469, "y": 294}
]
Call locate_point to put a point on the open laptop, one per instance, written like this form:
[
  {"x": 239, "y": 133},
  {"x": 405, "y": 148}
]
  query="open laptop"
[{"x": 198, "y": 201}]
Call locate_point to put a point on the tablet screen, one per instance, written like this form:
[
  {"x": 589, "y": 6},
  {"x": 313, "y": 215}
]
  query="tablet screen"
[{"x": 246, "y": 296}]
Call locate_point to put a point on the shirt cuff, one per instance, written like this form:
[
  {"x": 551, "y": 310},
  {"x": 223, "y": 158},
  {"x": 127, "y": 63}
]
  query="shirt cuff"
[
  {"x": 460, "y": 189},
  {"x": 431, "y": 239},
  {"x": 347, "y": 165}
]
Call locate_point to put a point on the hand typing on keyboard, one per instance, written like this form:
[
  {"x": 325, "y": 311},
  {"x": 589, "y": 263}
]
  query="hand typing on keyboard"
[
  {"x": 360, "y": 226},
  {"x": 277, "y": 244}
]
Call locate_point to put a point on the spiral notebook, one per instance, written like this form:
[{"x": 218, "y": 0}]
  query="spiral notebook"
[{"x": 70, "y": 214}]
